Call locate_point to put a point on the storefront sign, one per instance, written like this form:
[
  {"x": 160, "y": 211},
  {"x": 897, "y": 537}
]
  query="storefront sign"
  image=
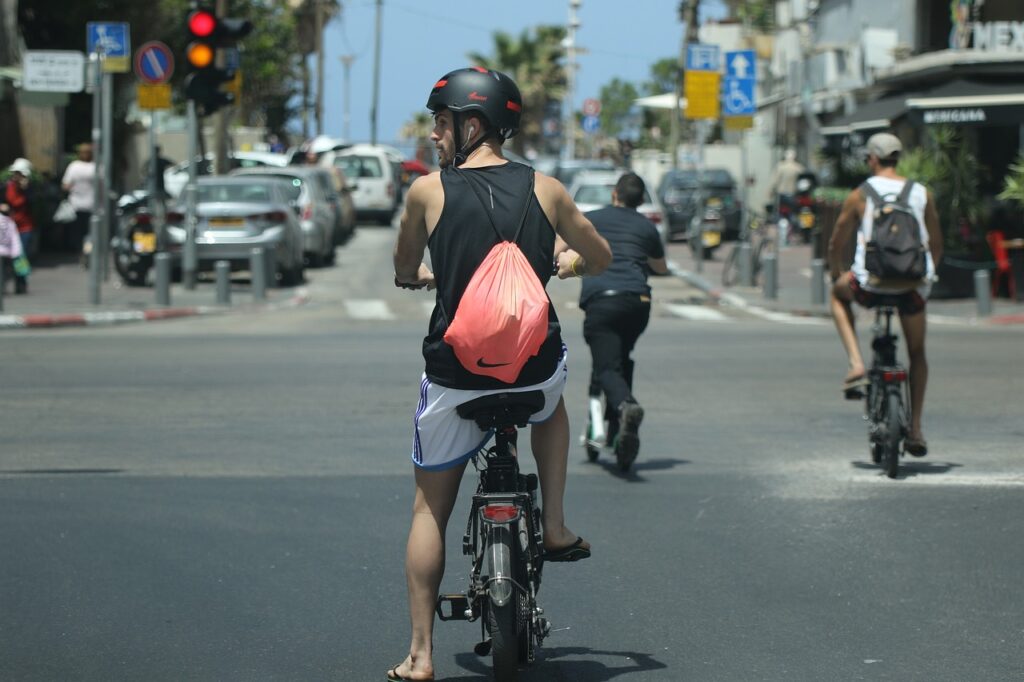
[
  {"x": 999, "y": 36},
  {"x": 1010, "y": 114},
  {"x": 936, "y": 116}
]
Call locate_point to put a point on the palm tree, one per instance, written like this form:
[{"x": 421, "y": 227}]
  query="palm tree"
[
  {"x": 534, "y": 61},
  {"x": 419, "y": 128}
]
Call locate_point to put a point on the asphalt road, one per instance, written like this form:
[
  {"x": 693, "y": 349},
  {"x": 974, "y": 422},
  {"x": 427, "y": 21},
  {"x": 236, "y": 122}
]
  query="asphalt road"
[{"x": 227, "y": 498}]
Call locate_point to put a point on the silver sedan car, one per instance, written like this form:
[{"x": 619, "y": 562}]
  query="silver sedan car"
[{"x": 236, "y": 214}]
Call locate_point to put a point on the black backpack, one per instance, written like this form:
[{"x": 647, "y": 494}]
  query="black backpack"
[{"x": 895, "y": 251}]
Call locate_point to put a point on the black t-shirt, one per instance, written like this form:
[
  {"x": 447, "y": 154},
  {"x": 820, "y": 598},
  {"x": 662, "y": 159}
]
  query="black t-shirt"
[
  {"x": 633, "y": 239},
  {"x": 460, "y": 242}
]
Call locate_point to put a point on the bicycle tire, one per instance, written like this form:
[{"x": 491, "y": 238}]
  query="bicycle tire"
[
  {"x": 501, "y": 623},
  {"x": 730, "y": 269},
  {"x": 893, "y": 434}
]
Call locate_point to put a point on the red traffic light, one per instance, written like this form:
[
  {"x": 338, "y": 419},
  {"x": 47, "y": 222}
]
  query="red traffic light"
[{"x": 202, "y": 23}]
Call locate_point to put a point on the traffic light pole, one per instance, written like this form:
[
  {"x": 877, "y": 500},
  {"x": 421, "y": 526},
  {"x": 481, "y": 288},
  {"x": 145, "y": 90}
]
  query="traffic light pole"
[
  {"x": 95, "y": 273},
  {"x": 189, "y": 256}
]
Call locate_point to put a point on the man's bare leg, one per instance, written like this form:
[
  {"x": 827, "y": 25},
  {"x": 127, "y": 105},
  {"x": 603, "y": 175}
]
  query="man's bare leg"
[
  {"x": 550, "y": 443},
  {"x": 842, "y": 315},
  {"x": 914, "y": 327},
  {"x": 436, "y": 492}
]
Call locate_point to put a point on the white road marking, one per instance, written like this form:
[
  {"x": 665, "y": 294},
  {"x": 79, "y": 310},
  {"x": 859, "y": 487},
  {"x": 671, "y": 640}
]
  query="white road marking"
[
  {"x": 735, "y": 301},
  {"x": 696, "y": 312},
  {"x": 369, "y": 309}
]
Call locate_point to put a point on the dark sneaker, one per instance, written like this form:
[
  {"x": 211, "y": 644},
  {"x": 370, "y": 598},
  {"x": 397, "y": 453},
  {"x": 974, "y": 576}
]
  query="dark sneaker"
[{"x": 627, "y": 443}]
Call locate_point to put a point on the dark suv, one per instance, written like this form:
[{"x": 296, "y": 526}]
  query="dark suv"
[{"x": 677, "y": 190}]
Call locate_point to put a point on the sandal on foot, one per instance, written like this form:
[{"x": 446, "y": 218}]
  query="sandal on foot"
[
  {"x": 393, "y": 676},
  {"x": 573, "y": 552},
  {"x": 853, "y": 387},
  {"x": 918, "y": 447}
]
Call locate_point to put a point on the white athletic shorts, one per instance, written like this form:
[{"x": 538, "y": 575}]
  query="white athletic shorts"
[{"x": 443, "y": 439}]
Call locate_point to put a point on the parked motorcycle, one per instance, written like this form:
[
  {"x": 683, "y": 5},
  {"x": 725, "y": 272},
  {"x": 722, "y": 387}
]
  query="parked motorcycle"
[
  {"x": 135, "y": 244},
  {"x": 706, "y": 229},
  {"x": 806, "y": 220}
]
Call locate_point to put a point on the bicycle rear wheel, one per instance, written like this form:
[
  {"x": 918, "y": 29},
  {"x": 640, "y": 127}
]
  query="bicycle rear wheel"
[
  {"x": 893, "y": 434},
  {"x": 502, "y": 620}
]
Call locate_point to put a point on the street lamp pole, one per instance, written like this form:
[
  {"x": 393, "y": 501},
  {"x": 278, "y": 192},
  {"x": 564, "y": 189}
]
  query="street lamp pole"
[
  {"x": 346, "y": 61},
  {"x": 376, "y": 75},
  {"x": 569, "y": 148}
]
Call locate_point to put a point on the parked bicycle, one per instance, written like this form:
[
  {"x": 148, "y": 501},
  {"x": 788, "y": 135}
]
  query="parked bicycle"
[
  {"x": 887, "y": 404},
  {"x": 761, "y": 234},
  {"x": 504, "y": 540}
]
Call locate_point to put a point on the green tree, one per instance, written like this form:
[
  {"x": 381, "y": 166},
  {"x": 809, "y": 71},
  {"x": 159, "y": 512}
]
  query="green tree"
[
  {"x": 534, "y": 61},
  {"x": 616, "y": 101}
]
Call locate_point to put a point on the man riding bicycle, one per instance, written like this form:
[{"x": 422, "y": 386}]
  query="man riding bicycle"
[
  {"x": 856, "y": 217},
  {"x": 475, "y": 110}
]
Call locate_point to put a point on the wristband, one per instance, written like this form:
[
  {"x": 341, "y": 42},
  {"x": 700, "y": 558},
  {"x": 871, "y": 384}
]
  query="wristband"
[{"x": 572, "y": 267}]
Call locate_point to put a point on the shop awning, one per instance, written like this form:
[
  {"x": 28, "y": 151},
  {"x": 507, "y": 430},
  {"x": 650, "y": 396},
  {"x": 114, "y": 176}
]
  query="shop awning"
[
  {"x": 665, "y": 101},
  {"x": 963, "y": 102},
  {"x": 877, "y": 115}
]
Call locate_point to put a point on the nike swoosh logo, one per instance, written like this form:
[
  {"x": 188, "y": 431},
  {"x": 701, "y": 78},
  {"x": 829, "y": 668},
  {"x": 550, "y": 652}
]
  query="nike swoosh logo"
[{"x": 485, "y": 365}]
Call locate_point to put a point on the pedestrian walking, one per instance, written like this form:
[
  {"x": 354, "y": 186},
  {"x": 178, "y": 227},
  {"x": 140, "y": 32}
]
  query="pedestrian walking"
[
  {"x": 79, "y": 182},
  {"x": 16, "y": 204},
  {"x": 617, "y": 308}
]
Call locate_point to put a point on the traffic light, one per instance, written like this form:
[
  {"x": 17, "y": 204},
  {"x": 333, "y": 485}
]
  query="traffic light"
[{"x": 208, "y": 33}]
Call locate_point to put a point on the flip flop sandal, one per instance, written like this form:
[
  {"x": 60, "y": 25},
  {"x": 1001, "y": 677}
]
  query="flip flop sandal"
[
  {"x": 853, "y": 388},
  {"x": 573, "y": 552},
  {"x": 393, "y": 676},
  {"x": 918, "y": 447}
]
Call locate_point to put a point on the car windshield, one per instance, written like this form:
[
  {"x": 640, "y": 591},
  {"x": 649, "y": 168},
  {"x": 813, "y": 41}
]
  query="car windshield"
[
  {"x": 234, "y": 192},
  {"x": 360, "y": 166},
  {"x": 711, "y": 177}
]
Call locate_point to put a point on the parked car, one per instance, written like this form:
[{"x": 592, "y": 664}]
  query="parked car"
[
  {"x": 310, "y": 193},
  {"x": 176, "y": 177},
  {"x": 565, "y": 170},
  {"x": 237, "y": 214},
  {"x": 677, "y": 192},
  {"x": 376, "y": 171},
  {"x": 592, "y": 190}
]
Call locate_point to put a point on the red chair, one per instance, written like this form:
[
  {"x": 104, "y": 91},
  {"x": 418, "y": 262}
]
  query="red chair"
[{"x": 1003, "y": 272}]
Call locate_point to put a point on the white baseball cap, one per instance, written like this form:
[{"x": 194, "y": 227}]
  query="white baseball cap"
[
  {"x": 23, "y": 166},
  {"x": 884, "y": 145}
]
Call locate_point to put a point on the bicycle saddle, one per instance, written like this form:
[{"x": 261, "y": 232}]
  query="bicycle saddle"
[{"x": 502, "y": 409}]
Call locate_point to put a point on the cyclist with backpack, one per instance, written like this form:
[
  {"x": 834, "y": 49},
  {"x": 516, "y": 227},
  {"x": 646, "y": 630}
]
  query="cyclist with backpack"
[
  {"x": 486, "y": 221},
  {"x": 898, "y": 244}
]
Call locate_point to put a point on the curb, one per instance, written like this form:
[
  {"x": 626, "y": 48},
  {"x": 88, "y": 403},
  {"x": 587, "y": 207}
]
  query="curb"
[{"x": 108, "y": 318}]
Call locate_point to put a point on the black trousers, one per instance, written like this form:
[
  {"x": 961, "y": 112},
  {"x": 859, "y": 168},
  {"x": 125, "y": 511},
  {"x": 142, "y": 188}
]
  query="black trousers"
[{"x": 611, "y": 328}]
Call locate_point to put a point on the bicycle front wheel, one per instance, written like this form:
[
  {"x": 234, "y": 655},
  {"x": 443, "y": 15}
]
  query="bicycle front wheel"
[{"x": 893, "y": 434}]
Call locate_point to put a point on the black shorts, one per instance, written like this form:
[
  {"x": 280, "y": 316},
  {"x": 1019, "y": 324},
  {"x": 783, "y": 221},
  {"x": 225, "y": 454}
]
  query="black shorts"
[{"x": 908, "y": 302}]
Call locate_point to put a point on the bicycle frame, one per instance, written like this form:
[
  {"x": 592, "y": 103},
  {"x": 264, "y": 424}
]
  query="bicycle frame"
[{"x": 886, "y": 379}]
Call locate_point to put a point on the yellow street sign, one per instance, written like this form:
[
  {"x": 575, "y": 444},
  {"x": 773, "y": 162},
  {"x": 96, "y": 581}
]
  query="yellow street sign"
[
  {"x": 702, "y": 93},
  {"x": 234, "y": 86},
  {"x": 154, "y": 96},
  {"x": 739, "y": 122},
  {"x": 116, "y": 65}
]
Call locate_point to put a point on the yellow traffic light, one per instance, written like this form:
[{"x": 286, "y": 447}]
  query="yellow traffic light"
[{"x": 200, "y": 55}]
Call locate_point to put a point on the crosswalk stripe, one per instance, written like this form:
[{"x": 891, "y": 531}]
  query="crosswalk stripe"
[
  {"x": 696, "y": 313},
  {"x": 369, "y": 309}
]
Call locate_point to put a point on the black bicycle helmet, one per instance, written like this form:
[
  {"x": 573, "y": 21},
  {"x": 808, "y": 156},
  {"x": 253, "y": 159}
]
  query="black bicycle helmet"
[{"x": 491, "y": 93}]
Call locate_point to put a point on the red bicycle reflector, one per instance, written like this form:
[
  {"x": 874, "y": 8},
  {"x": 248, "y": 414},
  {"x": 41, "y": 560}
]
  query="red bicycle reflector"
[
  {"x": 889, "y": 377},
  {"x": 500, "y": 513},
  {"x": 202, "y": 23}
]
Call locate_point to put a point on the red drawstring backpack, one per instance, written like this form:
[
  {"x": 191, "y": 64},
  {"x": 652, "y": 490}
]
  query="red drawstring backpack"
[{"x": 502, "y": 319}]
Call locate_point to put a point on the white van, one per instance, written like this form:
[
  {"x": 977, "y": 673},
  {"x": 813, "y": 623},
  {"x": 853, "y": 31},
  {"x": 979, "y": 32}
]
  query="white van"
[{"x": 375, "y": 170}]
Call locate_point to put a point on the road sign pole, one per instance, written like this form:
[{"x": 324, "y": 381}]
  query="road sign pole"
[
  {"x": 96, "y": 58},
  {"x": 191, "y": 191},
  {"x": 103, "y": 252}
]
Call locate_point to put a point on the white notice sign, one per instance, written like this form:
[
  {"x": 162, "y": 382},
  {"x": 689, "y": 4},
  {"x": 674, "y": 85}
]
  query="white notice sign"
[{"x": 53, "y": 71}]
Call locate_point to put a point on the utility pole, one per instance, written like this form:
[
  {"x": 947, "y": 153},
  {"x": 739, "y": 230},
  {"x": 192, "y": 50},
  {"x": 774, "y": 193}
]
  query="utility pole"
[
  {"x": 688, "y": 15},
  {"x": 376, "y": 74},
  {"x": 318, "y": 21},
  {"x": 220, "y": 136},
  {"x": 346, "y": 61},
  {"x": 569, "y": 127}
]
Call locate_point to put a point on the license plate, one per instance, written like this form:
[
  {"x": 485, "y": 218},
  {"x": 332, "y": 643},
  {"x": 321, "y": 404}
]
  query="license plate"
[
  {"x": 144, "y": 242},
  {"x": 226, "y": 222},
  {"x": 807, "y": 220},
  {"x": 714, "y": 202},
  {"x": 712, "y": 238}
]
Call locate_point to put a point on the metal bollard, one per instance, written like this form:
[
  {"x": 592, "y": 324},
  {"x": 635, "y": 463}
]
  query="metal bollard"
[
  {"x": 223, "y": 269},
  {"x": 983, "y": 292},
  {"x": 770, "y": 267},
  {"x": 746, "y": 265},
  {"x": 95, "y": 271},
  {"x": 258, "y": 274},
  {"x": 162, "y": 285},
  {"x": 817, "y": 281}
]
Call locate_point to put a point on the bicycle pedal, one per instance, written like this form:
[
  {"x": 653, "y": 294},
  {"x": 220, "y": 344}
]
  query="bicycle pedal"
[
  {"x": 483, "y": 648},
  {"x": 854, "y": 394},
  {"x": 459, "y": 608}
]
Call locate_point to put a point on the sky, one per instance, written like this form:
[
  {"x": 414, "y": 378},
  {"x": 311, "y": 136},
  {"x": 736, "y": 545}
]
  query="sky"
[{"x": 422, "y": 41}]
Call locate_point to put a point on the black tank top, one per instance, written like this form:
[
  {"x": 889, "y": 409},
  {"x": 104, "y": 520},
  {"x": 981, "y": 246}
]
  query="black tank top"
[{"x": 460, "y": 242}]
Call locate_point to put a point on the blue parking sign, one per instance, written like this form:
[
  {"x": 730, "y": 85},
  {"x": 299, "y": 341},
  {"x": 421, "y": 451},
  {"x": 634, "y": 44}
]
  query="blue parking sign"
[
  {"x": 738, "y": 97},
  {"x": 591, "y": 124},
  {"x": 109, "y": 38},
  {"x": 702, "y": 57}
]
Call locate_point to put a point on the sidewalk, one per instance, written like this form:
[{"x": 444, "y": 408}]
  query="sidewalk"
[
  {"x": 794, "y": 290},
  {"x": 58, "y": 296}
]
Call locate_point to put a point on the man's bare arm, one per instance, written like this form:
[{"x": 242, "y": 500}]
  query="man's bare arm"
[
  {"x": 845, "y": 227},
  {"x": 588, "y": 251},
  {"x": 412, "y": 238}
]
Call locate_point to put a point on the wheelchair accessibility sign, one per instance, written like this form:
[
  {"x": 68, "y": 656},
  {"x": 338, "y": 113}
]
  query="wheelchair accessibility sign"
[
  {"x": 111, "y": 40},
  {"x": 739, "y": 83}
]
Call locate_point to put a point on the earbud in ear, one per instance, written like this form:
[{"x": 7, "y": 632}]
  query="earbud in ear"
[{"x": 471, "y": 131}]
